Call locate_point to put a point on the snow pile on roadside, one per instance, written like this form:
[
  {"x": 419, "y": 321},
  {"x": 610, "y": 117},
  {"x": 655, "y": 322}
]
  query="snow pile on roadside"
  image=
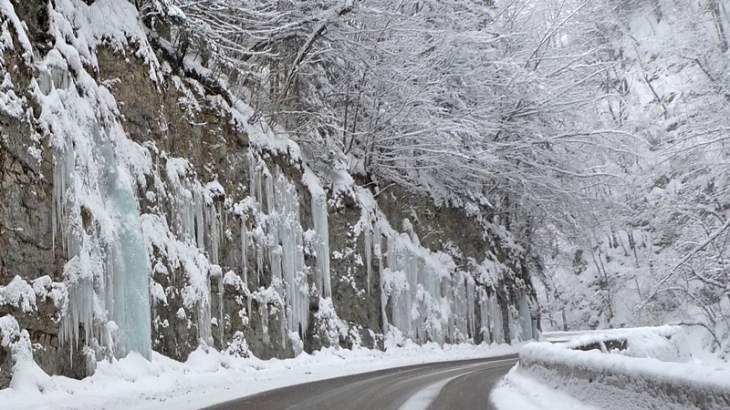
[
  {"x": 644, "y": 375},
  {"x": 519, "y": 391},
  {"x": 212, "y": 377}
]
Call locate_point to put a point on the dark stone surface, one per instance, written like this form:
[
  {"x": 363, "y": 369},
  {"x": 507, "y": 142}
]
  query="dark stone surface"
[
  {"x": 27, "y": 245},
  {"x": 36, "y": 17}
]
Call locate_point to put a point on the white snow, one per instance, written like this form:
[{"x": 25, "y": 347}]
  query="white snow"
[
  {"x": 18, "y": 293},
  {"x": 665, "y": 343},
  {"x": 653, "y": 371},
  {"x": 10, "y": 104},
  {"x": 7, "y": 12},
  {"x": 24, "y": 296},
  {"x": 517, "y": 391},
  {"x": 211, "y": 377},
  {"x": 109, "y": 22}
]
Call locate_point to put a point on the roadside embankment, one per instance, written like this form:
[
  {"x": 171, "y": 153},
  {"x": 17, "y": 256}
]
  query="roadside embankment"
[{"x": 623, "y": 370}]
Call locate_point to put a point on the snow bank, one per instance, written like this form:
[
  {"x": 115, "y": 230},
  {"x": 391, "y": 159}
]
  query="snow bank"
[
  {"x": 633, "y": 378},
  {"x": 665, "y": 343},
  {"x": 519, "y": 391},
  {"x": 210, "y": 377},
  {"x": 27, "y": 376}
]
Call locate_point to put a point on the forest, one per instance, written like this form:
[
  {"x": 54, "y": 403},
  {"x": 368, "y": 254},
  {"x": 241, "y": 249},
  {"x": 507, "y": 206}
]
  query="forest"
[{"x": 596, "y": 131}]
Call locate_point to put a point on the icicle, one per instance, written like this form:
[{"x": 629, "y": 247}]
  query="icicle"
[
  {"x": 459, "y": 309},
  {"x": 290, "y": 237},
  {"x": 496, "y": 324},
  {"x": 319, "y": 214},
  {"x": 213, "y": 213},
  {"x": 63, "y": 173},
  {"x": 471, "y": 306},
  {"x": 199, "y": 219},
  {"x": 514, "y": 326},
  {"x": 221, "y": 321},
  {"x": 217, "y": 233},
  {"x": 428, "y": 298},
  {"x": 59, "y": 192},
  {"x": 204, "y": 320},
  {"x": 525, "y": 318},
  {"x": 244, "y": 264},
  {"x": 244, "y": 252},
  {"x": 368, "y": 239},
  {"x": 269, "y": 185},
  {"x": 377, "y": 250},
  {"x": 484, "y": 313},
  {"x": 402, "y": 259},
  {"x": 259, "y": 256},
  {"x": 451, "y": 296},
  {"x": 264, "y": 312},
  {"x": 80, "y": 311},
  {"x": 279, "y": 235},
  {"x": 275, "y": 253}
]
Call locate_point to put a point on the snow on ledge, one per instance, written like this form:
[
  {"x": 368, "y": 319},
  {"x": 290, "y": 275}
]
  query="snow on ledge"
[{"x": 665, "y": 343}]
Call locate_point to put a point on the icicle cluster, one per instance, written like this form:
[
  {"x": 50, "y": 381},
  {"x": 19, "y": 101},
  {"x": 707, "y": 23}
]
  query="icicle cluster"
[
  {"x": 278, "y": 237},
  {"x": 322, "y": 246},
  {"x": 429, "y": 299},
  {"x": 462, "y": 322},
  {"x": 491, "y": 313},
  {"x": 198, "y": 223},
  {"x": 419, "y": 308}
]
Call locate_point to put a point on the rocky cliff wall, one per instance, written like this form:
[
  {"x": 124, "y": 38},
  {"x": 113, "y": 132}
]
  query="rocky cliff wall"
[{"x": 129, "y": 176}]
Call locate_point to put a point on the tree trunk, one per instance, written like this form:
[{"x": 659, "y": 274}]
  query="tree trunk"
[{"x": 717, "y": 18}]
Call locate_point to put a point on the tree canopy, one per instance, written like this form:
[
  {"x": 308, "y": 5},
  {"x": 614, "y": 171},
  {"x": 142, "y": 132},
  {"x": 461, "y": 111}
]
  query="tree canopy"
[{"x": 591, "y": 126}]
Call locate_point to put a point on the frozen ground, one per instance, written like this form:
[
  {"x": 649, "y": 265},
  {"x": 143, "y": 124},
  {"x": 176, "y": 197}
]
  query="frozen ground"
[{"x": 209, "y": 378}]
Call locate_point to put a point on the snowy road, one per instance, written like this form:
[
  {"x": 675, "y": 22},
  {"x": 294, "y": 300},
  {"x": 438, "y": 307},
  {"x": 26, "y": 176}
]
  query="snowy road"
[{"x": 449, "y": 385}]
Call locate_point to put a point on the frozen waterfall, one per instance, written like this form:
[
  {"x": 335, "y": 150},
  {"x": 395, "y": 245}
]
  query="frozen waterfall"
[
  {"x": 128, "y": 300},
  {"x": 106, "y": 272}
]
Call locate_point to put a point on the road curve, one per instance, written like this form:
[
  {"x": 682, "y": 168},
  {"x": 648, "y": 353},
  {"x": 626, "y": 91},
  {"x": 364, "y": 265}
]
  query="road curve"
[{"x": 457, "y": 385}]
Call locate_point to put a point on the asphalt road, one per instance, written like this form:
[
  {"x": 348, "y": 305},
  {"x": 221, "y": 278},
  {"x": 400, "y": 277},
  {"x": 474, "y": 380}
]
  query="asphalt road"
[{"x": 458, "y": 385}]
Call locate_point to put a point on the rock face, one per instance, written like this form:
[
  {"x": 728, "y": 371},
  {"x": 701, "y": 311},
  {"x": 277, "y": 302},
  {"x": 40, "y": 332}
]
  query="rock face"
[
  {"x": 248, "y": 250},
  {"x": 28, "y": 246}
]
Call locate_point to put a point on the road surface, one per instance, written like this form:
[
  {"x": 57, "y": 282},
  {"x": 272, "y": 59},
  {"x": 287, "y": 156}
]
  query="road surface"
[{"x": 436, "y": 386}]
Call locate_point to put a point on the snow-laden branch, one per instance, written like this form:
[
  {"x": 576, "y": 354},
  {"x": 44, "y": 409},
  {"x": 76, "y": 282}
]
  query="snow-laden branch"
[{"x": 686, "y": 259}]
